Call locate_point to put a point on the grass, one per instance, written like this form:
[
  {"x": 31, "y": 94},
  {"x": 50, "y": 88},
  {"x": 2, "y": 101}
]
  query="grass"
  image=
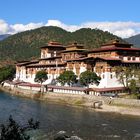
[
  {"x": 79, "y": 102},
  {"x": 133, "y": 96},
  {"x": 62, "y": 101}
]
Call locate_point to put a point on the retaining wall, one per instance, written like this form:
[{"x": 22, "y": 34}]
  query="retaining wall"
[{"x": 72, "y": 98}]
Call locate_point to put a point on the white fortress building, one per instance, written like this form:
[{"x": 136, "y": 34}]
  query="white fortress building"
[{"x": 56, "y": 58}]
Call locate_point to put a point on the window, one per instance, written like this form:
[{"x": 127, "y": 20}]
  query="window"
[
  {"x": 111, "y": 76},
  {"x": 121, "y": 57},
  {"x": 128, "y": 58},
  {"x": 133, "y": 58},
  {"x": 103, "y": 76}
]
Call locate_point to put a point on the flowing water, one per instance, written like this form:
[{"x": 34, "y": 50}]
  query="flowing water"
[{"x": 87, "y": 124}]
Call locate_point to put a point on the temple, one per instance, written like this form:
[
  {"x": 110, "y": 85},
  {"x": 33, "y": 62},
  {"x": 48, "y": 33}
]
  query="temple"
[{"x": 56, "y": 58}]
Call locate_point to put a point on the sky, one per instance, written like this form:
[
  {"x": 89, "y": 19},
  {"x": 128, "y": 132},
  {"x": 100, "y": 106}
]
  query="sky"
[{"x": 120, "y": 17}]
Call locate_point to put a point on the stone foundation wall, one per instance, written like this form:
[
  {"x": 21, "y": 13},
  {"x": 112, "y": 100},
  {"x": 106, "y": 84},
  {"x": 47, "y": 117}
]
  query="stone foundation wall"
[
  {"x": 85, "y": 100},
  {"x": 90, "y": 99}
]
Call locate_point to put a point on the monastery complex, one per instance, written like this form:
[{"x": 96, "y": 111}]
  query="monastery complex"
[{"x": 56, "y": 58}]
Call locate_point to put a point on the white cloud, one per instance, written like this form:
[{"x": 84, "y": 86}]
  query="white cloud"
[
  {"x": 124, "y": 33},
  {"x": 3, "y": 27},
  {"x": 58, "y": 23},
  {"x": 20, "y": 27},
  {"x": 122, "y": 29}
]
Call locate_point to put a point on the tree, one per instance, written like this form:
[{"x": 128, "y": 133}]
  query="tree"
[
  {"x": 13, "y": 131},
  {"x": 89, "y": 77},
  {"x": 133, "y": 86},
  {"x": 67, "y": 77},
  {"x": 124, "y": 75},
  {"x": 129, "y": 77},
  {"x": 137, "y": 76},
  {"x": 7, "y": 73},
  {"x": 40, "y": 77}
]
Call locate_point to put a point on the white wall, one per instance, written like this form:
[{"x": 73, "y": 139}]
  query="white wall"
[
  {"x": 82, "y": 69},
  {"x": 108, "y": 82}
]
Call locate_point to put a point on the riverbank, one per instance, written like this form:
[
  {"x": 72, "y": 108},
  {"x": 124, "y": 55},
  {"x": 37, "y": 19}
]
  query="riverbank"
[{"x": 116, "y": 105}]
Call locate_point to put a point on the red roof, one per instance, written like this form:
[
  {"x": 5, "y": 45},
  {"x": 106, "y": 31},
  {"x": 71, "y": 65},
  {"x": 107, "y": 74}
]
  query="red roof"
[
  {"x": 116, "y": 59},
  {"x": 102, "y": 58},
  {"x": 130, "y": 61},
  {"x": 108, "y": 89},
  {"x": 74, "y": 44},
  {"x": 13, "y": 82},
  {"x": 113, "y": 49},
  {"x": 87, "y": 89},
  {"x": 80, "y": 59},
  {"x": 74, "y": 50},
  {"x": 27, "y": 63},
  {"x": 53, "y": 44},
  {"x": 117, "y": 43},
  {"x": 30, "y": 85},
  {"x": 46, "y": 65},
  {"x": 109, "y": 58},
  {"x": 67, "y": 88},
  {"x": 49, "y": 58},
  {"x": 92, "y": 58}
]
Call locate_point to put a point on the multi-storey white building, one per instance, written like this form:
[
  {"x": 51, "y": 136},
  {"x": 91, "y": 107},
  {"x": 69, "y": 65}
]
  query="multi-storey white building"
[{"x": 56, "y": 58}]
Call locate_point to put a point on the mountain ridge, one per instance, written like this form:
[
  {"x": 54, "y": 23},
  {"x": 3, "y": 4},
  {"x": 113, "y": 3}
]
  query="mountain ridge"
[
  {"x": 135, "y": 40},
  {"x": 4, "y": 36},
  {"x": 26, "y": 45}
]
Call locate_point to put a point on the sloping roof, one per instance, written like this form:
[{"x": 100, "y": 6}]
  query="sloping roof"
[
  {"x": 27, "y": 63},
  {"x": 74, "y": 50},
  {"x": 108, "y": 89},
  {"x": 80, "y": 59},
  {"x": 50, "y": 58},
  {"x": 117, "y": 59},
  {"x": 94, "y": 59},
  {"x": 53, "y": 44},
  {"x": 45, "y": 65},
  {"x": 13, "y": 82},
  {"x": 108, "y": 58},
  {"x": 87, "y": 89},
  {"x": 103, "y": 58},
  {"x": 117, "y": 43},
  {"x": 131, "y": 62},
  {"x": 113, "y": 49},
  {"x": 29, "y": 85},
  {"x": 75, "y": 44},
  {"x": 67, "y": 88}
]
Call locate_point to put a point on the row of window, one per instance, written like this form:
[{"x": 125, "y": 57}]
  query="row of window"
[
  {"x": 111, "y": 76},
  {"x": 129, "y": 58}
]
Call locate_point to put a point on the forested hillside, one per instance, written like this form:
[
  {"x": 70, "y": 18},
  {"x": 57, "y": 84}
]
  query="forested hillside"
[
  {"x": 4, "y": 36},
  {"x": 134, "y": 40},
  {"x": 26, "y": 45}
]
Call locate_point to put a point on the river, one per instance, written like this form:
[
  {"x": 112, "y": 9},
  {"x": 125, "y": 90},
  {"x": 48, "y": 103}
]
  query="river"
[{"x": 53, "y": 117}]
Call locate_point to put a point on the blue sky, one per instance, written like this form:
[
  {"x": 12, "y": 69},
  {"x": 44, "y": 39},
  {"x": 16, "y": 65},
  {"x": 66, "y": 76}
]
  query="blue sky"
[{"x": 71, "y": 15}]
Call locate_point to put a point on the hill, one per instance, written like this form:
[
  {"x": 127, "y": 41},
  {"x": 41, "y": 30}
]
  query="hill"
[
  {"x": 26, "y": 45},
  {"x": 134, "y": 40},
  {"x": 4, "y": 36}
]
